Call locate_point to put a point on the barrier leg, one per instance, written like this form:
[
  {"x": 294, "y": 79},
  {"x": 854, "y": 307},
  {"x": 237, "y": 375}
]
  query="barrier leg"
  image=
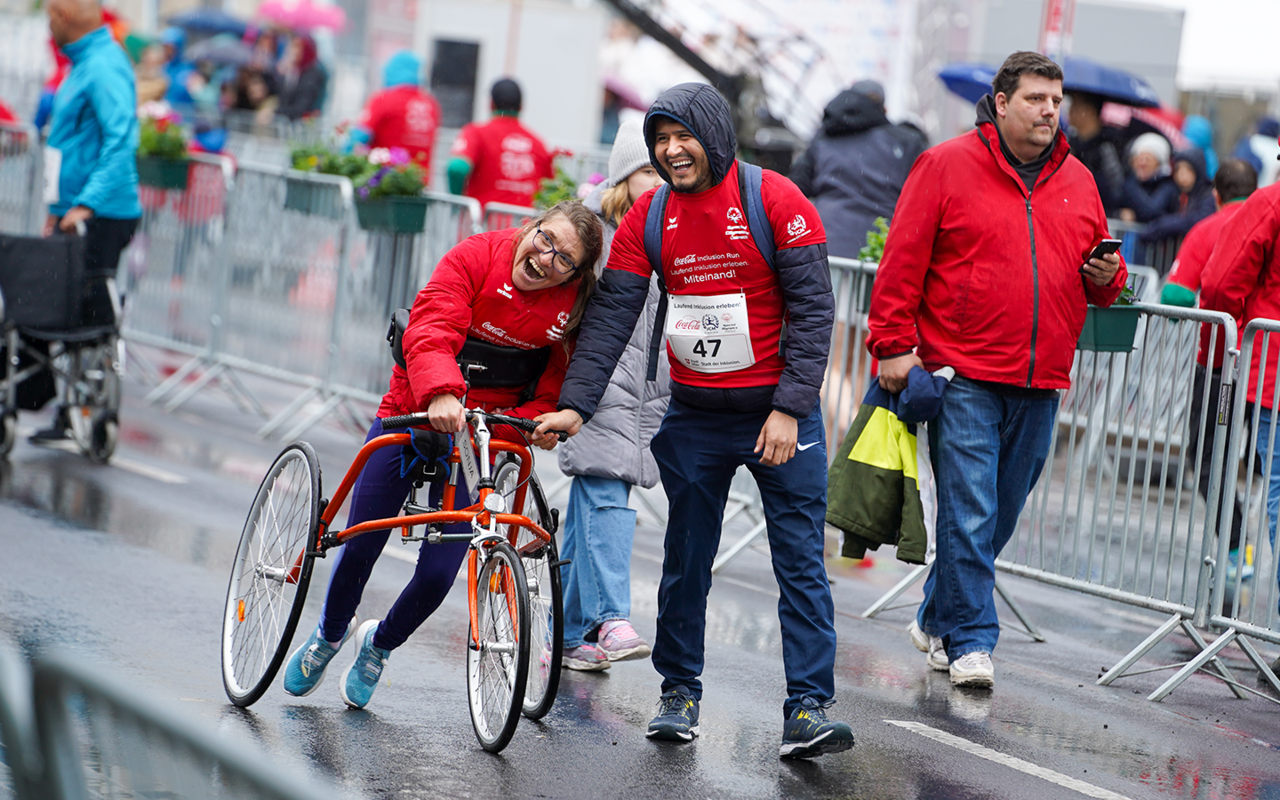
[
  {"x": 193, "y": 387},
  {"x": 173, "y": 381},
  {"x": 1259, "y": 663},
  {"x": 329, "y": 405},
  {"x": 287, "y": 413},
  {"x": 1028, "y": 627},
  {"x": 1194, "y": 665},
  {"x": 240, "y": 394},
  {"x": 1141, "y": 650},
  {"x": 883, "y": 603},
  {"x": 738, "y": 547},
  {"x": 1216, "y": 663}
]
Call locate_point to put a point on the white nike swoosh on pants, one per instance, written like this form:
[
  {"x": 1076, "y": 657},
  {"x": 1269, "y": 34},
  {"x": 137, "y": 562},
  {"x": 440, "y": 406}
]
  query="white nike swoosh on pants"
[{"x": 803, "y": 447}]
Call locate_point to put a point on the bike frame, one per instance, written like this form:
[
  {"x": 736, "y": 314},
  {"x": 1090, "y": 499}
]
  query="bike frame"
[{"x": 484, "y": 521}]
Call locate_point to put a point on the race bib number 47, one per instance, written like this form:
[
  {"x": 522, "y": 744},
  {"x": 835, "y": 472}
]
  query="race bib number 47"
[{"x": 710, "y": 333}]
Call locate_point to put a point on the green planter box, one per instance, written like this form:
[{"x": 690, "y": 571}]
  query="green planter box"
[
  {"x": 394, "y": 214},
  {"x": 311, "y": 198},
  {"x": 163, "y": 173},
  {"x": 1109, "y": 330}
]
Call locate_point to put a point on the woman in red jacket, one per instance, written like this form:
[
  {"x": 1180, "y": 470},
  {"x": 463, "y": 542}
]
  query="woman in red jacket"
[{"x": 522, "y": 289}]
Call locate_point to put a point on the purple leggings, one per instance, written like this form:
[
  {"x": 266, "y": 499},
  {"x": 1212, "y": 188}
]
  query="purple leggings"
[{"x": 379, "y": 493}]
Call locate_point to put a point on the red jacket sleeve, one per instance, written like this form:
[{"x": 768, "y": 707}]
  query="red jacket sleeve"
[
  {"x": 440, "y": 319},
  {"x": 908, "y": 251},
  {"x": 1242, "y": 251}
]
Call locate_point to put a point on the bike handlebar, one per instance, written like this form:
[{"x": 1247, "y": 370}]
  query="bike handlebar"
[{"x": 422, "y": 418}]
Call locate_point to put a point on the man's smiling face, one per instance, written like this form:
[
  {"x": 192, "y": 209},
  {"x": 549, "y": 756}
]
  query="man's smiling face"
[{"x": 681, "y": 155}]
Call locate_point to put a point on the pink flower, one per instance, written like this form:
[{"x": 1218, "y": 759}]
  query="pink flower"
[
  {"x": 399, "y": 156},
  {"x": 380, "y": 155}
]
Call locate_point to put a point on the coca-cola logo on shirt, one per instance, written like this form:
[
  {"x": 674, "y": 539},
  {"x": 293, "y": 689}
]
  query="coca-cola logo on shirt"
[
  {"x": 417, "y": 116},
  {"x": 516, "y": 161},
  {"x": 688, "y": 324}
]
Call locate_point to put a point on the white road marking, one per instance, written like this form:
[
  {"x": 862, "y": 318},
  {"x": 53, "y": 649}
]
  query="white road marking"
[
  {"x": 978, "y": 750},
  {"x": 396, "y": 550},
  {"x": 148, "y": 471}
]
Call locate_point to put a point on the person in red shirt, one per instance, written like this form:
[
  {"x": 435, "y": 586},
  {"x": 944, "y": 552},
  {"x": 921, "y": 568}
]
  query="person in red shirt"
[
  {"x": 402, "y": 114},
  {"x": 1233, "y": 184},
  {"x": 737, "y": 398},
  {"x": 500, "y": 161},
  {"x": 525, "y": 289}
]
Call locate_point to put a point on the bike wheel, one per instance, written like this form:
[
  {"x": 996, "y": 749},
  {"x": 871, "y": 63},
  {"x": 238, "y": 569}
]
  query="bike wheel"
[
  {"x": 497, "y": 667},
  {"x": 546, "y": 608},
  {"x": 271, "y": 573}
]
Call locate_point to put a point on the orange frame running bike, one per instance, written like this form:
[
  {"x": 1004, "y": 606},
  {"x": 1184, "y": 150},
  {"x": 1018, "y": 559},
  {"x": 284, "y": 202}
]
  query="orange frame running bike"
[{"x": 513, "y": 569}]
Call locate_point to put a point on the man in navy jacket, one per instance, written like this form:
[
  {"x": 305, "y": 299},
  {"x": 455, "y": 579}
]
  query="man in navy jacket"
[{"x": 737, "y": 399}]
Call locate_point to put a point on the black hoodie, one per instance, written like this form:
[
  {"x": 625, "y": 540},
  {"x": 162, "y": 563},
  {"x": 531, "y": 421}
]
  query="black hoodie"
[
  {"x": 802, "y": 272},
  {"x": 855, "y": 167}
]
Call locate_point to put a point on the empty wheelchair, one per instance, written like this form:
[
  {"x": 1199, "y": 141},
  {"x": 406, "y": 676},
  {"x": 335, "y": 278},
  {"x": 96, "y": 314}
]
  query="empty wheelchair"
[{"x": 48, "y": 351}]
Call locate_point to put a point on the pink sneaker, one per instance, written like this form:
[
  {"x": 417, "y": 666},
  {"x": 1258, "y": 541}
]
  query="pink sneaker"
[
  {"x": 586, "y": 657},
  {"x": 620, "y": 642}
]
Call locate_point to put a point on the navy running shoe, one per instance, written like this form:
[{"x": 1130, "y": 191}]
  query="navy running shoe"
[
  {"x": 808, "y": 733},
  {"x": 677, "y": 719}
]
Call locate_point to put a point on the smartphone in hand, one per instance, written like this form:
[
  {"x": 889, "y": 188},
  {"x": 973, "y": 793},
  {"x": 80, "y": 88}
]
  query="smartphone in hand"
[{"x": 1103, "y": 248}]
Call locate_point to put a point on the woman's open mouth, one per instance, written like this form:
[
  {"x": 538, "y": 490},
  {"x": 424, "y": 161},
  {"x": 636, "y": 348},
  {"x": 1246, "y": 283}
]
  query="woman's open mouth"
[{"x": 533, "y": 270}]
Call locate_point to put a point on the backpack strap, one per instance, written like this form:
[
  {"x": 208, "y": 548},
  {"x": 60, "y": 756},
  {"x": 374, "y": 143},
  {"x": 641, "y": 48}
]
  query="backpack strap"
[
  {"x": 653, "y": 225},
  {"x": 750, "y": 179}
]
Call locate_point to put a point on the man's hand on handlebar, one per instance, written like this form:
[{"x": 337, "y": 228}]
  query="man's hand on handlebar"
[
  {"x": 447, "y": 414},
  {"x": 568, "y": 420}
]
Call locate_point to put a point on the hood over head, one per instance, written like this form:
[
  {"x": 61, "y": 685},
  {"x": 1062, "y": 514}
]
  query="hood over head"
[
  {"x": 1198, "y": 131},
  {"x": 1196, "y": 159},
  {"x": 854, "y": 110},
  {"x": 706, "y": 114},
  {"x": 401, "y": 69}
]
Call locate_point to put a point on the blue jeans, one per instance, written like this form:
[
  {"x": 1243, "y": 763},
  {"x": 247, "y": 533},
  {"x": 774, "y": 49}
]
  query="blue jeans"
[
  {"x": 1273, "y": 486},
  {"x": 598, "y": 531},
  {"x": 697, "y": 453},
  {"x": 987, "y": 451}
]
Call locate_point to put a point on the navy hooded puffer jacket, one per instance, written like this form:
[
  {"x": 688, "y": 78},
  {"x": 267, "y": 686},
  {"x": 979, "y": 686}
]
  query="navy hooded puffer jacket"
[{"x": 802, "y": 293}]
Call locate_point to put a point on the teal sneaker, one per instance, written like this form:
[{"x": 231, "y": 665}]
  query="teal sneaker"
[
  {"x": 677, "y": 719},
  {"x": 361, "y": 678},
  {"x": 808, "y": 733},
  {"x": 305, "y": 671},
  {"x": 1235, "y": 573}
]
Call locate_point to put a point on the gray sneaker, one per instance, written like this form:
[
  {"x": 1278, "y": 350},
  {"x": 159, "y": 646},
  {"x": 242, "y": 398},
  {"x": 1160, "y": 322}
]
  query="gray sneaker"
[
  {"x": 931, "y": 646},
  {"x": 973, "y": 670}
]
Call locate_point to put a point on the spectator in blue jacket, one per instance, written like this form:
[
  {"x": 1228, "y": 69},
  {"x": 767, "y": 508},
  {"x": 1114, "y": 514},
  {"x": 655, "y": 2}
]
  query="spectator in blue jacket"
[{"x": 91, "y": 172}]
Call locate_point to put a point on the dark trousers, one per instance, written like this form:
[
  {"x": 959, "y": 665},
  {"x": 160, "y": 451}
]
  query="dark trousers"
[
  {"x": 105, "y": 240},
  {"x": 1211, "y": 429},
  {"x": 697, "y": 453},
  {"x": 380, "y": 492}
]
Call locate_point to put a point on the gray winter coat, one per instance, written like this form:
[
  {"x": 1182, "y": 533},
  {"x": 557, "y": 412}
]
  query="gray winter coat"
[{"x": 615, "y": 443}]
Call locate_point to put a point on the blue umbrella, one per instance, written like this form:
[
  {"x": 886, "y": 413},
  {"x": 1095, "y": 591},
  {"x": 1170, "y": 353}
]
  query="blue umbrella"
[
  {"x": 1111, "y": 84},
  {"x": 208, "y": 20},
  {"x": 970, "y": 81}
]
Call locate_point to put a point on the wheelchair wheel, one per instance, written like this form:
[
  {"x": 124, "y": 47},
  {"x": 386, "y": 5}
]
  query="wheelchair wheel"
[
  {"x": 97, "y": 390},
  {"x": 8, "y": 432},
  {"x": 546, "y": 596},
  {"x": 103, "y": 434},
  {"x": 498, "y": 666},
  {"x": 271, "y": 573}
]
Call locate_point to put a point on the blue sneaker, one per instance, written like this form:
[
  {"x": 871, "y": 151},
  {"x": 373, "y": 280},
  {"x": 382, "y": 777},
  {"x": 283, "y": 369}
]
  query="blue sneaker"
[
  {"x": 677, "y": 719},
  {"x": 305, "y": 671},
  {"x": 361, "y": 678},
  {"x": 808, "y": 732}
]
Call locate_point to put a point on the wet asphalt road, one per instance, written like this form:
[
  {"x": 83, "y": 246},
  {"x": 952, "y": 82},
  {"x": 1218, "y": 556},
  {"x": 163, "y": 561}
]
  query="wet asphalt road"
[{"x": 126, "y": 567}]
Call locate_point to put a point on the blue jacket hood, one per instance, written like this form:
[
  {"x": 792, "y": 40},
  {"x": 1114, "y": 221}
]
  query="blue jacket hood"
[
  {"x": 706, "y": 114},
  {"x": 401, "y": 69}
]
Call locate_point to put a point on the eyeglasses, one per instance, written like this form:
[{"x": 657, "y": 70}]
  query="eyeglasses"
[{"x": 563, "y": 264}]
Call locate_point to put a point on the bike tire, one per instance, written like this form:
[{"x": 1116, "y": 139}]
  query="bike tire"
[
  {"x": 546, "y": 595},
  {"x": 271, "y": 574},
  {"x": 497, "y": 668}
]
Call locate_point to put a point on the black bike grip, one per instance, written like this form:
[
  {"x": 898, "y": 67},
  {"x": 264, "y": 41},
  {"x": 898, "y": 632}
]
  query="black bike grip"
[{"x": 405, "y": 420}]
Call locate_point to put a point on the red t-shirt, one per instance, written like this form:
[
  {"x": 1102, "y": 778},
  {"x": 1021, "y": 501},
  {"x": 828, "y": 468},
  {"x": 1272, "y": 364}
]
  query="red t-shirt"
[
  {"x": 1198, "y": 246},
  {"x": 707, "y": 251},
  {"x": 404, "y": 116},
  {"x": 470, "y": 293},
  {"x": 508, "y": 161}
]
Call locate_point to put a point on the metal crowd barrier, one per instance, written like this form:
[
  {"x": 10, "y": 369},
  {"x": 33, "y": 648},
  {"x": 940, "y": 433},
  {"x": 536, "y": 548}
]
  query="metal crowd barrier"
[
  {"x": 1245, "y": 609},
  {"x": 1159, "y": 255},
  {"x": 262, "y": 270},
  {"x": 21, "y": 180},
  {"x": 71, "y": 733},
  {"x": 500, "y": 216}
]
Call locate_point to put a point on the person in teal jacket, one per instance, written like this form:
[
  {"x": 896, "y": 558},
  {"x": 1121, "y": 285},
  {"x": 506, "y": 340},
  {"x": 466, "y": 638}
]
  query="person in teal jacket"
[{"x": 91, "y": 172}]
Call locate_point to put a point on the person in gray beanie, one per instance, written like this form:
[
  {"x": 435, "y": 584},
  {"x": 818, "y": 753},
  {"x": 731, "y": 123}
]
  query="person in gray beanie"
[{"x": 611, "y": 453}]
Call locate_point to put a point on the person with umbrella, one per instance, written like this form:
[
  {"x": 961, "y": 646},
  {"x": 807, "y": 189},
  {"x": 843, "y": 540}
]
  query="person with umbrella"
[{"x": 304, "y": 79}]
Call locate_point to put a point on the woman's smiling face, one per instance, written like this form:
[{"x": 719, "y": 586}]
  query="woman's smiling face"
[{"x": 534, "y": 269}]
